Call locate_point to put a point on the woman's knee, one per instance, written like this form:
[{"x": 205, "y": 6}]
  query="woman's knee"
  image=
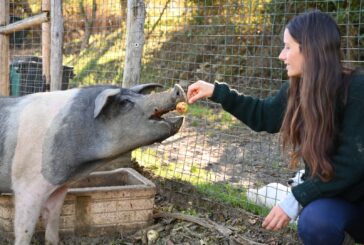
[{"x": 317, "y": 226}]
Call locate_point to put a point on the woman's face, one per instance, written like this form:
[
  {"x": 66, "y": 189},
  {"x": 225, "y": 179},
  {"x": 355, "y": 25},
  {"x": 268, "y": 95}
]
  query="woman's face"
[{"x": 291, "y": 55}]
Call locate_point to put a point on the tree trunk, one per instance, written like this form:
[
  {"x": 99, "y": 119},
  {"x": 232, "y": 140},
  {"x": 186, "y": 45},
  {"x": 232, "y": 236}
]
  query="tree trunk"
[{"x": 89, "y": 22}]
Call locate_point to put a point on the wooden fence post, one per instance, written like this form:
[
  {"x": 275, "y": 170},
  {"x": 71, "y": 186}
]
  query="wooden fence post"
[
  {"x": 134, "y": 42},
  {"x": 4, "y": 49},
  {"x": 57, "y": 30},
  {"x": 46, "y": 40}
]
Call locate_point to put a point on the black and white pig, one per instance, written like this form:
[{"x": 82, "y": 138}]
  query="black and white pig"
[{"x": 49, "y": 140}]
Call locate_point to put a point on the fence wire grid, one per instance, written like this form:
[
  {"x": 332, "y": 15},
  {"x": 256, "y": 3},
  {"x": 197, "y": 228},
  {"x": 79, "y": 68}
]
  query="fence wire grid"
[{"x": 232, "y": 41}]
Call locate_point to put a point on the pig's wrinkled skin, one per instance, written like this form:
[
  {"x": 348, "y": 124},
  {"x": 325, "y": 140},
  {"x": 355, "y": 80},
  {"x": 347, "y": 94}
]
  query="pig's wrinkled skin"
[{"x": 49, "y": 140}]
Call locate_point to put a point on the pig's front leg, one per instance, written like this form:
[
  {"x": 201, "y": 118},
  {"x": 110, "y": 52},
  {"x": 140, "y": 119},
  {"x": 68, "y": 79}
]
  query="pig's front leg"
[
  {"x": 26, "y": 216},
  {"x": 51, "y": 215},
  {"x": 30, "y": 197}
]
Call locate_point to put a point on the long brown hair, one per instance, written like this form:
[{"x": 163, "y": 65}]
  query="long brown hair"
[{"x": 310, "y": 121}]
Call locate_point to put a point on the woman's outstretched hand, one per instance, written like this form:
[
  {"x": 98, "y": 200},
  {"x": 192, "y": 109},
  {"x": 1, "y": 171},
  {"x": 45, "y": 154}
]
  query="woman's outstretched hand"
[
  {"x": 199, "y": 90},
  {"x": 276, "y": 219}
]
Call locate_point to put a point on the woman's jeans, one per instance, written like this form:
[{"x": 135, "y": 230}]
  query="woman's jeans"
[{"x": 326, "y": 220}]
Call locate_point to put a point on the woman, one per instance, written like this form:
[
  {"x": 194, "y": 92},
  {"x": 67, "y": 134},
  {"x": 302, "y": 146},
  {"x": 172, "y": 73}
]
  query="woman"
[{"x": 319, "y": 114}]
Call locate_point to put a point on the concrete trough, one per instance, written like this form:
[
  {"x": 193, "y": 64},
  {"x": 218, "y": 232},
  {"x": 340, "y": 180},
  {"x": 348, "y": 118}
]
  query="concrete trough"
[{"x": 105, "y": 202}]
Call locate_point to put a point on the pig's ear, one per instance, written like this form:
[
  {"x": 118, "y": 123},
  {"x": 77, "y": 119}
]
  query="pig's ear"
[
  {"x": 146, "y": 88},
  {"x": 102, "y": 98}
]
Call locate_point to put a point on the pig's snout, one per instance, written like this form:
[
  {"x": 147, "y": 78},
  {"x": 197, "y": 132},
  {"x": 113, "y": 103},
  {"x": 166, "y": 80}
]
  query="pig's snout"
[
  {"x": 178, "y": 94},
  {"x": 162, "y": 103}
]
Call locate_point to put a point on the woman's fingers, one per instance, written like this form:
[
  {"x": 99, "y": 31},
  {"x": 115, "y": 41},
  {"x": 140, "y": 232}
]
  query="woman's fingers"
[
  {"x": 276, "y": 219},
  {"x": 199, "y": 90},
  {"x": 193, "y": 95},
  {"x": 267, "y": 221}
]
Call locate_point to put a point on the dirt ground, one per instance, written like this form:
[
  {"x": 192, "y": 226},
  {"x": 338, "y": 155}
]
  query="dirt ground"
[
  {"x": 233, "y": 154},
  {"x": 174, "y": 226}
]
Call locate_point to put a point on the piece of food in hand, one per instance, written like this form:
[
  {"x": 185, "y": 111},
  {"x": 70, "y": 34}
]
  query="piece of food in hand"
[{"x": 182, "y": 107}]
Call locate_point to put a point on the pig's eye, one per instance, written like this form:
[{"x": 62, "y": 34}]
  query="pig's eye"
[{"x": 126, "y": 104}]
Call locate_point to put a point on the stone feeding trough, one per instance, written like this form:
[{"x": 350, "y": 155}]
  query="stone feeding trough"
[{"x": 105, "y": 202}]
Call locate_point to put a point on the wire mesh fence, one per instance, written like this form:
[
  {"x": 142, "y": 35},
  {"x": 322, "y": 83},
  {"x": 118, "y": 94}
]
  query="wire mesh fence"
[{"x": 232, "y": 41}]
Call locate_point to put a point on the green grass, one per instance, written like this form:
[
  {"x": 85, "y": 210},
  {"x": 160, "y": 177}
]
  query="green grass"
[
  {"x": 160, "y": 166},
  {"x": 199, "y": 111},
  {"x": 199, "y": 178},
  {"x": 231, "y": 196},
  {"x": 216, "y": 118},
  {"x": 101, "y": 62}
]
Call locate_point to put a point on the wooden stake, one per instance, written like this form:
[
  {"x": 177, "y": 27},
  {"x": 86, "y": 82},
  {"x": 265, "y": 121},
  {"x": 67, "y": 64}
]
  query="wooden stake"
[
  {"x": 46, "y": 48},
  {"x": 57, "y": 30},
  {"x": 134, "y": 42},
  {"x": 4, "y": 49}
]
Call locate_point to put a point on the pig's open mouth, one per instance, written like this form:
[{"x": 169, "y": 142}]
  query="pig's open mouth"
[
  {"x": 174, "y": 122},
  {"x": 157, "y": 115}
]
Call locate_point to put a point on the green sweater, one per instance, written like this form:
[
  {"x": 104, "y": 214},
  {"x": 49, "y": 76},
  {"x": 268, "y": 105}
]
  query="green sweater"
[{"x": 348, "y": 159}]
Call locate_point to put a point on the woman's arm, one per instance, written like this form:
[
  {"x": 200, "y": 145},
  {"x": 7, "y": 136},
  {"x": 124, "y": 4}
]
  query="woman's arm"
[{"x": 259, "y": 114}]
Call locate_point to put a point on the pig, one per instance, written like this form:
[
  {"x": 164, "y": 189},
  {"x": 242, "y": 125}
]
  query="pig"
[{"x": 52, "y": 139}]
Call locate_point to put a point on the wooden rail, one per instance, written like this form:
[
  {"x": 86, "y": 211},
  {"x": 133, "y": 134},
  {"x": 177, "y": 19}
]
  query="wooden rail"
[{"x": 24, "y": 24}]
